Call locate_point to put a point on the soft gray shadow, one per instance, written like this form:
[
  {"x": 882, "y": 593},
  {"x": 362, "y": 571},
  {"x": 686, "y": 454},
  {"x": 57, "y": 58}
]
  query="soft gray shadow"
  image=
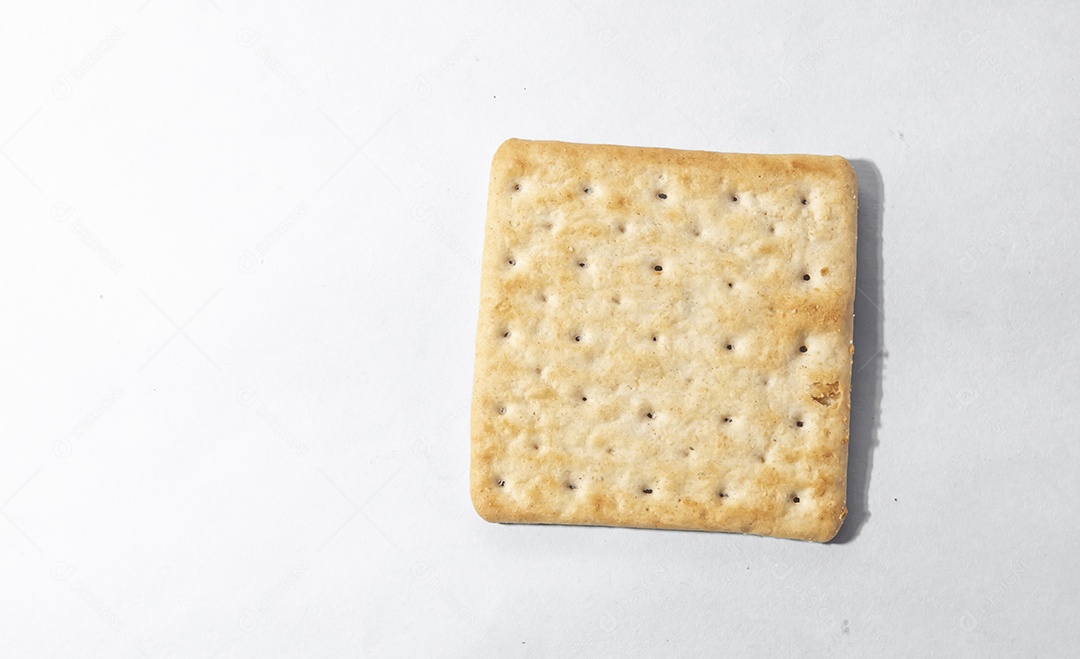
[{"x": 870, "y": 352}]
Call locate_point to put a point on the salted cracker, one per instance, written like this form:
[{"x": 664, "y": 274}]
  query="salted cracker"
[{"x": 665, "y": 340}]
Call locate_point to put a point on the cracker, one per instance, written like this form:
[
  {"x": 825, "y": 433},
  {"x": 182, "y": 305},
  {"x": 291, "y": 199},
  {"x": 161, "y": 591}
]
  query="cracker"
[{"x": 665, "y": 340}]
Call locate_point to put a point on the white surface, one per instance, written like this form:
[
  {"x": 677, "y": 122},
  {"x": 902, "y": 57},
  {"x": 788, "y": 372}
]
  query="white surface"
[{"x": 240, "y": 278}]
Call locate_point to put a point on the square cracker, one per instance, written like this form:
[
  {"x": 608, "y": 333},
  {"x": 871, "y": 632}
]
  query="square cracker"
[{"x": 665, "y": 340}]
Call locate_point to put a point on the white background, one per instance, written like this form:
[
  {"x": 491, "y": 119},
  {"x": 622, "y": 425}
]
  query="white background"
[{"x": 240, "y": 279}]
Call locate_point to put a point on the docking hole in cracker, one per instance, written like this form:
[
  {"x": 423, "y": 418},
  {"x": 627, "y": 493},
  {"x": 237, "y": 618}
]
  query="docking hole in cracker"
[{"x": 665, "y": 340}]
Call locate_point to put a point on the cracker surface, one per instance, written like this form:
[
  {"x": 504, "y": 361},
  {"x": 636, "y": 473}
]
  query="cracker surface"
[{"x": 665, "y": 340}]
